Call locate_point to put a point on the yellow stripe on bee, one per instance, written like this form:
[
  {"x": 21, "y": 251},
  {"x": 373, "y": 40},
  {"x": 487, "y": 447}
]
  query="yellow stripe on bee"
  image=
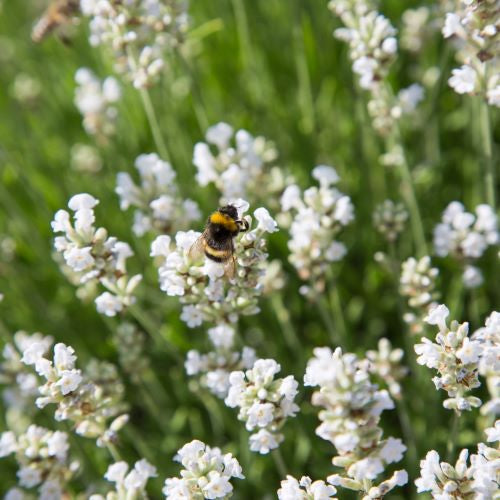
[
  {"x": 223, "y": 220},
  {"x": 217, "y": 253}
]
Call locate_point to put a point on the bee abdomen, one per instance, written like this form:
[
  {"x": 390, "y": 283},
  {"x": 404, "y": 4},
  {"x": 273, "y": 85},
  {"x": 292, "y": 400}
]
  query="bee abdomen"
[
  {"x": 42, "y": 28},
  {"x": 217, "y": 255}
]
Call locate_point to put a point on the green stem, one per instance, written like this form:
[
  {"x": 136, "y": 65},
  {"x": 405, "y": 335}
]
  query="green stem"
[
  {"x": 323, "y": 308},
  {"x": 154, "y": 125},
  {"x": 338, "y": 314},
  {"x": 452, "y": 438},
  {"x": 113, "y": 451},
  {"x": 280, "y": 463},
  {"x": 409, "y": 435},
  {"x": 283, "y": 315},
  {"x": 487, "y": 150}
]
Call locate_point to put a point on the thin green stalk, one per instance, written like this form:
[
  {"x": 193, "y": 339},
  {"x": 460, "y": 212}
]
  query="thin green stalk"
[
  {"x": 279, "y": 462},
  {"x": 487, "y": 150},
  {"x": 113, "y": 451},
  {"x": 452, "y": 438},
  {"x": 338, "y": 313},
  {"x": 289, "y": 332},
  {"x": 154, "y": 125},
  {"x": 324, "y": 311},
  {"x": 409, "y": 435},
  {"x": 196, "y": 97},
  {"x": 408, "y": 192}
]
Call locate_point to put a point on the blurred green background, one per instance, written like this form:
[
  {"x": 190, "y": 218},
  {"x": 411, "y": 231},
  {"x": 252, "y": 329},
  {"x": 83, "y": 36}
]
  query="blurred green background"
[{"x": 272, "y": 67}]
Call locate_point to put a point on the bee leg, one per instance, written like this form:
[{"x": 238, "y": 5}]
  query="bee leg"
[{"x": 245, "y": 225}]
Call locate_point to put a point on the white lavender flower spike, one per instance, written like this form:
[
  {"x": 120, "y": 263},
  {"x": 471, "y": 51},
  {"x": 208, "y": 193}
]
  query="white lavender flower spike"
[
  {"x": 319, "y": 215},
  {"x": 158, "y": 205},
  {"x": 455, "y": 356},
  {"x": 305, "y": 489},
  {"x": 94, "y": 257},
  {"x": 138, "y": 34},
  {"x": 206, "y": 473},
  {"x": 239, "y": 165},
  {"x": 43, "y": 459},
  {"x": 88, "y": 404},
  {"x": 95, "y": 100},
  {"x": 352, "y": 406},
  {"x": 264, "y": 402}
]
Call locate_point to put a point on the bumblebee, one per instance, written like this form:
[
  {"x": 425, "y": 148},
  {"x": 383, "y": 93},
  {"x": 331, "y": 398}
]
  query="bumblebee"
[
  {"x": 217, "y": 240},
  {"x": 58, "y": 13}
]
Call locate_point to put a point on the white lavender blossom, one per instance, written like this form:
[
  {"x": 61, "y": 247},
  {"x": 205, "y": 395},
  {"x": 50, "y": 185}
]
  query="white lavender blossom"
[
  {"x": 466, "y": 236},
  {"x": 305, "y": 489},
  {"x": 158, "y": 205},
  {"x": 373, "y": 48},
  {"x": 138, "y": 33},
  {"x": 480, "y": 479},
  {"x": 214, "y": 368},
  {"x": 129, "y": 342},
  {"x": 385, "y": 363},
  {"x": 85, "y": 158},
  {"x": 207, "y": 294},
  {"x": 489, "y": 362},
  {"x": 264, "y": 402},
  {"x": 95, "y": 100},
  {"x": 206, "y": 473},
  {"x": 93, "y": 256},
  {"x": 455, "y": 356},
  {"x": 43, "y": 460},
  {"x": 319, "y": 215},
  {"x": 239, "y": 165},
  {"x": 418, "y": 284},
  {"x": 129, "y": 484},
  {"x": 389, "y": 219},
  {"x": 21, "y": 384},
  {"x": 352, "y": 406},
  {"x": 475, "y": 24},
  {"x": 89, "y": 400}
]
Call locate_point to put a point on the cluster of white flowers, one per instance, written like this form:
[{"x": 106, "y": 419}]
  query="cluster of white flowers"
[
  {"x": 204, "y": 290},
  {"x": 239, "y": 165},
  {"x": 418, "y": 284},
  {"x": 89, "y": 400},
  {"x": 389, "y": 219},
  {"x": 138, "y": 32},
  {"x": 206, "y": 474},
  {"x": 21, "y": 385},
  {"x": 42, "y": 456},
  {"x": 466, "y": 237},
  {"x": 316, "y": 217},
  {"x": 215, "y": 367},
  {"x": 455, "y": 356},
  {"x": 265, "y": 402},
  {"x": 305, "y": 489},
  {"x": 129, "y": 342},
  {"x": 475, "y": 24},
  {"x": 385, "y": 363},
  {"x": 93, "y": 256},
  {"x": 419, "y": 24},
  {"x": 373, "y": 48},
  {"x": 85, "y": 158},
  {"x": 352, "y": 406},
  {"x": 129, "y": 484},
  {"x": 480, "y": 479},
  {"x": 94, "y": 99},
  {"x": 489, "y": 363},
  {"x": 156, "y": 200}
]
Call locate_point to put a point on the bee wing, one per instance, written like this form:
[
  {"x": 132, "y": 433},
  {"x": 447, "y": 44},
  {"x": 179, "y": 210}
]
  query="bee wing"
[
  {"x": 230, "y": 267},
  {"x": 197, "y": 249}
]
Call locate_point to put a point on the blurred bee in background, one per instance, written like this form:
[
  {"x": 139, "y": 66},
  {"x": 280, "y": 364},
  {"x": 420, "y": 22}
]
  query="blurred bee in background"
[
  {"x": 59, "y": 13},
  {"x": 217, "y": 240}
]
